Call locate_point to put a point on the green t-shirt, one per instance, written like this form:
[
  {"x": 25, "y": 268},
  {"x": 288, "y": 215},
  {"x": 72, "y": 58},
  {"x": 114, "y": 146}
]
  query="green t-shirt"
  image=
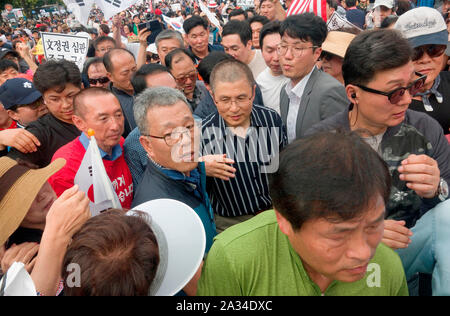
[{"x": 255, "y": 258}]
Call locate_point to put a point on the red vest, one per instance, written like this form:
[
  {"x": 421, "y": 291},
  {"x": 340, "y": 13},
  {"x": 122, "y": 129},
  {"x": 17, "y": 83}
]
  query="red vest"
[{"x": 117, "y": 171}]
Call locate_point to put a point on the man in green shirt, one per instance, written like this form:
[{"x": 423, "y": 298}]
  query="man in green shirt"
[{"x": 323, "y": 236}]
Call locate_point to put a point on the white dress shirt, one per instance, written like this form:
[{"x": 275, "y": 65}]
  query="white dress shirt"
[{"x": 295, "y": 96}]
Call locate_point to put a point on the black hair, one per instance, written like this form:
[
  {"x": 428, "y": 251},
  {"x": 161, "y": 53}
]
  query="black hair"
[
  {"x": 258, "y": 18},
  {"x": 206, "y": 66},
  {"x": 6, "y": 64},
  {"x": 241, "y": 28},
  {"x": 194, "y": 21},
  {"x": 388, "y": 21},
  {"x": 102, "y": 39},
  {"x": 269, "y": 28},
  {"x": 170, "y": 56},
  {"x": 105, "y": 28},
  {"x": 332, "y": 4},
  {"x": 339, "y": 175},
  {"x": 236, "y": 12},
  {"x": 350, "y": 3},
  {"x": 90, "y": 61},
  {"x": 306, "y": 26},
  {"x": 373, "y": 51},
  {"x": 138, "y": 80},
  {"x": 56, "y": 74}
]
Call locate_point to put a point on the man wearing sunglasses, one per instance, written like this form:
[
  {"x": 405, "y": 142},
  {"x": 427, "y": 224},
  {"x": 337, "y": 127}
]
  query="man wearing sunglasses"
[
  {"x": 96, "y": 73},
  {"x": 427, "y": 33},
  {"x": 380, "y": 81},
  {"x": 181, "y": 64}
]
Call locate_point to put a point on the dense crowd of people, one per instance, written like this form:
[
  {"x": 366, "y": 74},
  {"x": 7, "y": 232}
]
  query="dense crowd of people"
[{"x": 299, "y": 158}]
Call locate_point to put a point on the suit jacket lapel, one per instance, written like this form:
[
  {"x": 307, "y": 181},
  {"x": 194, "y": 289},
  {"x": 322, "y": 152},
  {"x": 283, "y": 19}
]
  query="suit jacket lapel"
[
  {"x": 304, "y": 103},
  {"x": 284, "y": 103}
]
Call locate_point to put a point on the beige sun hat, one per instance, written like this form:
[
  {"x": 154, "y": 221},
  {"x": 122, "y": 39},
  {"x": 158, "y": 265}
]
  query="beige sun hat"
[
  {"x": 337, "y": 42},
  {"x": 19, "y": 186}
]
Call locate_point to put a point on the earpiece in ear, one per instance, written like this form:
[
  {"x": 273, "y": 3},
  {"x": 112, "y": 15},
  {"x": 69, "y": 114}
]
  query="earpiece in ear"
[{"x": 353, "y": 95}]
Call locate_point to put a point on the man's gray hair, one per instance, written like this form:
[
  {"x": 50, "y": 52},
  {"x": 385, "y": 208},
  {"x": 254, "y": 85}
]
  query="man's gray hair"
[
  {"x": 152, "y": 98},
  {"x": 168, "y": 34}
]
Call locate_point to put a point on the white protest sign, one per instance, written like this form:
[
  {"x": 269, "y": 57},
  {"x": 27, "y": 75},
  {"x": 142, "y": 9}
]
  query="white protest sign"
[
  {"x": 80, "y": 9},
  {"x": 245, "y": 3},
  {"x": 176, "y": 7},
  {"x": 62, "y": 46},
  {"x": 112, "y": 7},
  {"x": 175, "y": 23},
  {"x": 337, "y": 22},
  {"x": 211, "y": 16}
]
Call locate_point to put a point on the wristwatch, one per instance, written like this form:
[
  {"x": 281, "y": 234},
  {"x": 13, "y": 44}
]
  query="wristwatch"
[{"x": 442, "y": 190}]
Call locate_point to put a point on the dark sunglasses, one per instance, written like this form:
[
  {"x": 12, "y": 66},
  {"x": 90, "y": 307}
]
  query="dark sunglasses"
[
  {"x": 432, "y": 51},
  {"x": 326, "y": 56},
  {"x": 395, "y": 95},
  {"x": 101, "y": 80}
]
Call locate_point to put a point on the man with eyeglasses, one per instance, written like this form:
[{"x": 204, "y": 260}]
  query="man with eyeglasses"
[
  {"x": 380, "y": 81},
  {"x": 311, "y": 95},
  {"x": 58, "y": 82},
  {"x": 240, "y": 145},
  {"x": 168, "y": 135},
  {"x": 103, "y": 44},
  {"x": 429, "y": 41},
  {"x": 181, "y": 64}
]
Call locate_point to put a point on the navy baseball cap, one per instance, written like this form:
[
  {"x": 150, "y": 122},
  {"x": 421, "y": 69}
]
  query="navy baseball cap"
[{"x": 18, "y": 91}]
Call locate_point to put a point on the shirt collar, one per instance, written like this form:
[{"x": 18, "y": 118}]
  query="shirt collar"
[
  {"x": 299, "y": 87},
  {"x": 116, "y": 151},
  {"x": 254, "y": 121},
  {"x": 194, "y": 175}
]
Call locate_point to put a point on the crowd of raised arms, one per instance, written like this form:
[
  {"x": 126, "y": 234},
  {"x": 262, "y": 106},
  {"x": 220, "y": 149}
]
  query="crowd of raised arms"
[{"x": 227, "y": 149}]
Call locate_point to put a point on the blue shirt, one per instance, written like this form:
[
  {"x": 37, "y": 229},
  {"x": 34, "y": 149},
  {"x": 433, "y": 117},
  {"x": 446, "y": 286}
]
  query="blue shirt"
[{"x": 116, "y": 151}]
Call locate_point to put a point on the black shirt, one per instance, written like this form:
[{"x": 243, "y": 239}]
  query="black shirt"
[
  {"x": 52, "y": 134},
  {"x": 23, "y": 234},
  {"x": 126, "y": 103},
  {"x": 441, "y": 111}
]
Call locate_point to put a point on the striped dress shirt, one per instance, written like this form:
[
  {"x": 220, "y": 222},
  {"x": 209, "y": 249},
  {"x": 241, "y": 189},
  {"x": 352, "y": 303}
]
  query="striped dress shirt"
[{"x": 254, "y": 157}]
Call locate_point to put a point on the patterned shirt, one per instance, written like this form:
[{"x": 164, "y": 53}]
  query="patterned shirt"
[{"x": 255, "y": 157}]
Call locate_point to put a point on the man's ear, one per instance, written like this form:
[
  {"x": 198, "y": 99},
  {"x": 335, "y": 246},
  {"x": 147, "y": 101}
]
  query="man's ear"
[
  {"x": 283, "y": 223},
  {"x": 351, "y": 92},
  {"x": 79, "y": 123},
  {"x": 13, "y": 115},
  {"x": 317, "y": 53},
  {"x": 108, "y": 74},
  {"x": 145, "y": 142}
]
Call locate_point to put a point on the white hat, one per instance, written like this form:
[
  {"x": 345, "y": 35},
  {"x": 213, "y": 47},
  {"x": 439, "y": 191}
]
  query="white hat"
[
  {"x": 423, "y": 26},
  {"x": 152, "y": 48},
  {"x": 387, "y": 3},
  {"x": 212, "y": 4},
  {"x": 181, "y": 242}
]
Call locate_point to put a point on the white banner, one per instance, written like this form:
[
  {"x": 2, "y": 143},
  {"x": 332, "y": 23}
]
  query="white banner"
[
  {"x": 175, "y": 23},
  {"x": 211, "y": 16},
  {"x": 336, "y": 22},
  {"x": 92, "y": 177},
  {"x": 62, "y": 46},
  {"x": 80, "y": 9},
  {"x": 112, "y": 7}
]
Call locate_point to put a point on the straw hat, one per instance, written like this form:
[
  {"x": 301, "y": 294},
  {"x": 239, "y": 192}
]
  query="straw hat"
[
  {"x": 19, "y": 186},
  {"x": 337, "y": 42}
]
